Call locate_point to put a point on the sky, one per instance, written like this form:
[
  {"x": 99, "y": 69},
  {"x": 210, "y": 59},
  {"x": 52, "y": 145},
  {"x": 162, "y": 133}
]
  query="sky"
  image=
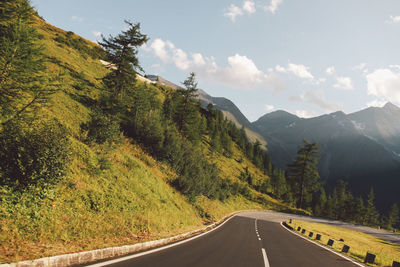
[{"x": 307, "y": 57}]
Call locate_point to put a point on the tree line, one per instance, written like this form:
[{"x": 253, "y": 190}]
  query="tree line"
[
  {"x": 171, "y": 127},
  {"x": 300, "y": 185}
]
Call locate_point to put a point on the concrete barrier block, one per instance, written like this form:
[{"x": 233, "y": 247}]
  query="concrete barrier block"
[
  {"x": 58, "y": 261},
  {"x": 85, "y": 257},
  {"x": 345, "y": 248},
  {"x": 73, "y": 259},
  {"x": 369, "y": 258}
]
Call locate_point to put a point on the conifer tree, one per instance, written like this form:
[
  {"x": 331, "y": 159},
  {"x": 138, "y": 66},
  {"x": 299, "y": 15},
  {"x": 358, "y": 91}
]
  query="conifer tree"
[
  {"x": 371, "y": 214},
  {"x": 187, "y": 113},
  {"x": 303, "y": 174},
  {"x": 24, "y": 85},
  {"x": 393, "y": 217},
  {"x": 320, "y": 202},
  {"x": 122, "y": 55},
  {"x": 359, "y": 210}
]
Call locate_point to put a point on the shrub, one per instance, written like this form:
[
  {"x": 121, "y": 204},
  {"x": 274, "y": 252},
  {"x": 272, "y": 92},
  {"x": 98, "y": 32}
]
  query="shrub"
[
  {"x": 38, "y": 155},
  {"x": 102, "y": 128}
]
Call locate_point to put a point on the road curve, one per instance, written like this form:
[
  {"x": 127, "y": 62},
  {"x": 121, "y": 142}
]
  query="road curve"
[{"x": 248, "y": 239}]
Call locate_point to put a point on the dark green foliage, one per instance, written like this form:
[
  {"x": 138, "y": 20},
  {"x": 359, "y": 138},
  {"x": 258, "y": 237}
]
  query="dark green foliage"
[
  {"x": 122, "y": 54},
  {"x": 303, "y": 174},
  {"x": 393, "y": 219},
  {"x": 196, "y": 175},
  {"x": 37, "y": 155},
  {"x": 186, "y": 109},
  {"x": 371, "y": 214},
  {"x": 24, "y": 86},
  {"x": 278, "y": 183},
  {"x": 102, "y": 128}
]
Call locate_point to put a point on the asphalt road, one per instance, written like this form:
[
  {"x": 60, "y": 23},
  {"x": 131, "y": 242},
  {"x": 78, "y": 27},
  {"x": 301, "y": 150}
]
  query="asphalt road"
[{"x": 242, "y": 241}]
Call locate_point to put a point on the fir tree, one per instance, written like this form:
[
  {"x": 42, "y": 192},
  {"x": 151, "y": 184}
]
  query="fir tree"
[
  {"x": 371, "y": 214},
  {"x": 187, "y": 113},
  {"x": 393, "y": 217},
  {"x": 122, "y": 55},
  {"x": 24, "y": 85},
  {"x": 303, "y": 174}
]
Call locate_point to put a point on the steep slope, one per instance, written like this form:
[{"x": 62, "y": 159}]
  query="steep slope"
[
  {"x": 352, "y": 147},
  {"x": 114, "y": 193},
  {"x": 232, "y": 113},
  {"x": 380, "y": 124}
]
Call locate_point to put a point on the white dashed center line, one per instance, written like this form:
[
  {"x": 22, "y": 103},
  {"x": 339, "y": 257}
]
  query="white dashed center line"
[{"x": 264, "y": 253}]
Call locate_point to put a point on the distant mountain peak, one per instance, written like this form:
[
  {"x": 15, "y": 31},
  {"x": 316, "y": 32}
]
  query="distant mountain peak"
[
  {"x": 338, "y": 115},
  {"x": 279, "y": 113},
  {"x": 390, "y": 106}
]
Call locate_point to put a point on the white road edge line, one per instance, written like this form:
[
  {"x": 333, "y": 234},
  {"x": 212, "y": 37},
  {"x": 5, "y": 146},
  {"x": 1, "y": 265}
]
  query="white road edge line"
[
  {"x": 156, "y": 249},
  {"x": 266, "y": 262},
  {"x": 345, "y": 257}
]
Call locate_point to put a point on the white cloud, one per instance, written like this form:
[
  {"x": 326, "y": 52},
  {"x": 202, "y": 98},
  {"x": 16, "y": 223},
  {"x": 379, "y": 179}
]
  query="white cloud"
[
  {"x": 330, "y": 70},
  {"x": 394, "y": 67},
  {"x": 279, "y": 68},
  {"x": 240, "y": 71},
  {"x": 360, "y": 66},
  {"x": 249, "y": 6},
  {"x": 305, "y": 114},
  {"x": 273, "y": 6},
  {"x": 376, "y": 103},
  {"x": 394, "y": 19},
  {"x": 321, "y": 80},
  {"x": 159, "y": 49},
  {"x": 300, "y": 71},
  {"x": 96, "y": 33},
  {"x": 180, "y": 59},
  {"x": 232, "y": 12},
  {"x": 269, "y": 107},
  {"x": 344, "y": 83},
  {"x": 316, "y": 98},
  {"x": 384, "y": 84},
  {"x": 198, "y": 59},
  {"x": 77, "y": 19}
]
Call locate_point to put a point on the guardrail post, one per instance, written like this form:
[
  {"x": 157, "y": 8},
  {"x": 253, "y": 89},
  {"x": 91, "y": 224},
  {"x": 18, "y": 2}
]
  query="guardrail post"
[
  {"x": 303, "y": 231},
  {"x": 318, "y": 237},
  {"x": 311, "y": 234},
  {"x": 330, "y": 242},
  {"x": 345, "y": 248},
  {"x": 298, "y": 228},
  {"x": 369, "y": 258}
]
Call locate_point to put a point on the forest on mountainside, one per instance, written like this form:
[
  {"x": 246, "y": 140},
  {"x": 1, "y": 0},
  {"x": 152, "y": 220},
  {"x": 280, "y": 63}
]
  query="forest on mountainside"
[{"x": 95, "y": 143}]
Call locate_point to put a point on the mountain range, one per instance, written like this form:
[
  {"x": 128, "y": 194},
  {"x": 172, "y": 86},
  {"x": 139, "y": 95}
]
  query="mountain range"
[{"x": 361, "y": 148}]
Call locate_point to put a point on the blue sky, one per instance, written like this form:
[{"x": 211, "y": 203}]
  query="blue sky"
[{"x": 307, "y": 57}]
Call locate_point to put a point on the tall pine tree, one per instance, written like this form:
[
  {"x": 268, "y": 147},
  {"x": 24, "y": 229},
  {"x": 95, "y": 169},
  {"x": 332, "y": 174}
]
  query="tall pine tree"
[
  {"x": 24, "y": 84},
  {"x": 303, "y": 174},
  {"x": 123, "y": 62}
]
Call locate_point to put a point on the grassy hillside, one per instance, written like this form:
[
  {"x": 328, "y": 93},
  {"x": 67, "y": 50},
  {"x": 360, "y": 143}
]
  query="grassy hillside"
[{"x": 114, "y": 193}]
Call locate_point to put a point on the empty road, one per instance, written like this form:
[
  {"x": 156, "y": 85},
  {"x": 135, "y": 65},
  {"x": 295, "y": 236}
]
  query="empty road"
[{"x": 248, "y": 239}]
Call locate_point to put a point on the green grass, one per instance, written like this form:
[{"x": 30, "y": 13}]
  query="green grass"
[
  {"x": 359, "y": 243},
  {"x": 114, "y": 194}
]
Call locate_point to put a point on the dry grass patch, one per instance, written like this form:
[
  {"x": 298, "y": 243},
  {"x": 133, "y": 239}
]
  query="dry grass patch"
[{"x": 359, "y": 243}]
